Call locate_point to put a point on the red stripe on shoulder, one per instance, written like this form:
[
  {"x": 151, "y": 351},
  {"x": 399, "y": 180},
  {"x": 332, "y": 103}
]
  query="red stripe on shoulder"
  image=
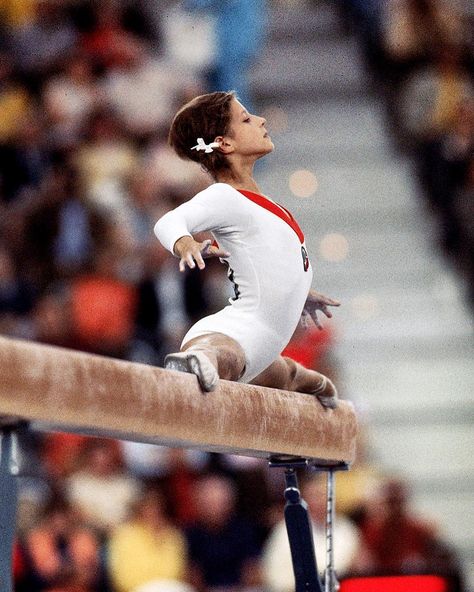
[{"x": 276, "y": 209}]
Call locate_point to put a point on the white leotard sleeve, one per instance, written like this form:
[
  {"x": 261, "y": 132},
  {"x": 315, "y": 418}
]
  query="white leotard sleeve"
[{"x": 209, "y": 210}]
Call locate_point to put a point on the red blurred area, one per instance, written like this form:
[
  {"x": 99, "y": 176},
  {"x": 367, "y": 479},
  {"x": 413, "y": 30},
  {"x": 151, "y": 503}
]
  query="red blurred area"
[{"x": 422, "y": 583}]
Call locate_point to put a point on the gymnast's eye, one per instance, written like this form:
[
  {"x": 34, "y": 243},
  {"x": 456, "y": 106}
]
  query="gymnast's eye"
[{"x": 247, "y": 120}]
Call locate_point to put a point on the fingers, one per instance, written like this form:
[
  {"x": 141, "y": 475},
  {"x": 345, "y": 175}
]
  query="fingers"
[
  {"x": 326, "y": 311},
  {"x": 322, "y": 300},
  {"x": 331, "y": 302},
  {"x": 196, "y": 252},
  {"x": 190, "y": 259},
  {"x": 218, "y": 252},
  {"x": 305, "y": 320},
  {"x": 211, "y": 250},
  {"x": 317, "y": 322}
]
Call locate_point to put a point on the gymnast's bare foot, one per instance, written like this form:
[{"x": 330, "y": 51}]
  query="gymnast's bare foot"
[{"x": 194, "y": 362}]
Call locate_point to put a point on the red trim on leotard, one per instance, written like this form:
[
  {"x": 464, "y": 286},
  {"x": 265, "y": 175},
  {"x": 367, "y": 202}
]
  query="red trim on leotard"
[{"x": 274, "y": 208}]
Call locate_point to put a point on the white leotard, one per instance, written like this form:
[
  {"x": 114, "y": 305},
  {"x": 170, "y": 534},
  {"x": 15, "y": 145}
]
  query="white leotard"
[{"x": 268, "y": 265}]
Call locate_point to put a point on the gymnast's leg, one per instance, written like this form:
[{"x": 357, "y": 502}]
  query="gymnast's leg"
[
  {"x": 210, "y": 357},
  {"x": 284, "y": 373}
]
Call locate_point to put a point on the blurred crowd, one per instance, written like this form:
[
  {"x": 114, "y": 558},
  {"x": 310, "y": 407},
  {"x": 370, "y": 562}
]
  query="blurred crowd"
[
  {"x": 102, "y": 515},
  {"x": 420, "y": 54},
  {"x": 87, "y": 90}
]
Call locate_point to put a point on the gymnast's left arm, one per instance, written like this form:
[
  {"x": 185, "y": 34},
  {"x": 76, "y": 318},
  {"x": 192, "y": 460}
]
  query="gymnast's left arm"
[{"x": 314, "y": 302}]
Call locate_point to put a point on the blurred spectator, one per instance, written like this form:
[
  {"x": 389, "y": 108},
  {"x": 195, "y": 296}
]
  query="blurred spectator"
[
  {"x": 14, "y": 100},
  {"x": 105, "y": 160},
  {"x": 42, "y": 42},
  {"x": 168, "y": 302},
  {"x": 364, "y": 17},
  {"x": 355, "y": 488},
  {"x": 108, "y": 43},
  {"x": 432, "y": 95},
  {"x": 222, "y": 546},
  {"x": 413, "y": 29},
  {"x": 60, "y": 453},
  {"x": 169, "y": 176},
  {"x": 61, "y": 554},
  {"x": 63, "y": 230},
  {"x": 16, "y": 13},
  {"x": 19, "y": 568},
  {"x": 100, "y": 489},
  {"x": 446, "y": 157},
  {"x": 189, "y": 34},
  {"x": 145, "y": 91},
  {"x": 424, "y": 67},
  {"x": 51, "y": 320},
  {"x": 103, "y": 306},
  {"x": 68, "y": 98},
  {"x": 147, "y": 547},
  {"x": 25, "y": 159},
  {"x": 252, "y": 480},
  {"x": 176, "y": 470},
  {"x": 138, "y": 215},
  {"x": 277, "y": 565},
  {"x": 397, "y": 541},
  {"x": 240, "y": 27},
  {"x": 16, "y": 297}
]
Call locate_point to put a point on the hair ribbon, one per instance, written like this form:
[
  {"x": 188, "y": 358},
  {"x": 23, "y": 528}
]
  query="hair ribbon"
[{"x": 201, "y": 145}]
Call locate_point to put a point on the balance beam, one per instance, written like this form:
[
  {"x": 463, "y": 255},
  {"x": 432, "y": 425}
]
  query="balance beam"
[{"x": 71, "y": 391}]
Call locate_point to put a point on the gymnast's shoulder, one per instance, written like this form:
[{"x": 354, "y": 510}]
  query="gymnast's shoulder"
[{"x": 217, "y": 193}]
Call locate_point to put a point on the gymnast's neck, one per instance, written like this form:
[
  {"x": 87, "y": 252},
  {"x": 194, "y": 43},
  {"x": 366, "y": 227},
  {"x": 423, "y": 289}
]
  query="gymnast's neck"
[{"x": 240, "y": 177}]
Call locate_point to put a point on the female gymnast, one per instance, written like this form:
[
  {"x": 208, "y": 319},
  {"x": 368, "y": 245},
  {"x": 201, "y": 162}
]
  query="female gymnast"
[{"x": 262, "y": 245}]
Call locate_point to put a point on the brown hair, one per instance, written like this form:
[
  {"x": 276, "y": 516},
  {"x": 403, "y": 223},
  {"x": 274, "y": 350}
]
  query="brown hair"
[{"x": 206, "y": 117}]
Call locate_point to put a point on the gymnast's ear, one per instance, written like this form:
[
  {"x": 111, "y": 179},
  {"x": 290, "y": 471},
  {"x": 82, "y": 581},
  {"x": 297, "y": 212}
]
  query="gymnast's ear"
[{"x": 225, "y": 144}]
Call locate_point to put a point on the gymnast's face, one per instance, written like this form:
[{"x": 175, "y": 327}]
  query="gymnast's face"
[{"x": 248, "y": 136}]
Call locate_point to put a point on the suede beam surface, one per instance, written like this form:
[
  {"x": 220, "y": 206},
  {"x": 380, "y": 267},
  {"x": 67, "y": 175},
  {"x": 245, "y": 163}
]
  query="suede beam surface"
[{"x": 76, "y": 392}]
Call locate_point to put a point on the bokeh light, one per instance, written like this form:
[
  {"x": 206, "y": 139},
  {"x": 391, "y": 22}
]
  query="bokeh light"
[
  {"x": 334, "y": 247},
  {"x": 303, "y": 183}
]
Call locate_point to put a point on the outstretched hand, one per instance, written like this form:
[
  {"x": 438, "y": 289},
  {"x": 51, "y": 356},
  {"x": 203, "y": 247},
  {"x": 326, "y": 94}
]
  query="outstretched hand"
[
  {"x": 314, "y": 302},
  {"x": 191, "y": 252}
]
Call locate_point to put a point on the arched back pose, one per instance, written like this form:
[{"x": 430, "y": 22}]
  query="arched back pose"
[{"x": 262, "y": 245}]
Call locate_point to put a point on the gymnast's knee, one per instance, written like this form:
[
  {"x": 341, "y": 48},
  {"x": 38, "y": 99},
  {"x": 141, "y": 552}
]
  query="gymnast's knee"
[{"x": 223, "y": 351}]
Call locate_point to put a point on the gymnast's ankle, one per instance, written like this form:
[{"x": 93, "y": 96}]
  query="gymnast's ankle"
[{"x": 194, "y": 362}]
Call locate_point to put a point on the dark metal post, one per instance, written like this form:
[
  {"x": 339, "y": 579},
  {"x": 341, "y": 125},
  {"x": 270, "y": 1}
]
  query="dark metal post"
[
  {"x": 299, "y": 527},
  {"x": 330, "y": 582},
  {"x": 300, "y": 535},
  {"x": 8, "y": 504}
]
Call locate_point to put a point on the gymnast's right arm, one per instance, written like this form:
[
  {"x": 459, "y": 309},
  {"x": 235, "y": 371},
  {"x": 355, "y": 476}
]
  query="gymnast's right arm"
[{"x": 174, "y": 230}]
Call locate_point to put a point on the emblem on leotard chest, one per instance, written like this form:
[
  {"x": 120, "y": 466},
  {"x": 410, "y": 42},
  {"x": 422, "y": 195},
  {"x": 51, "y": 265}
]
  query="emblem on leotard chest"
[{"x": 304, "y": 254}]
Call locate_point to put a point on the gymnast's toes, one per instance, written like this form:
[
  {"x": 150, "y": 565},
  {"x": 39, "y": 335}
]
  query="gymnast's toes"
[
  {"x": 194, "y": 363},
  {"x": 330, "y": 402},
  {"x": 326, "y": 393}
]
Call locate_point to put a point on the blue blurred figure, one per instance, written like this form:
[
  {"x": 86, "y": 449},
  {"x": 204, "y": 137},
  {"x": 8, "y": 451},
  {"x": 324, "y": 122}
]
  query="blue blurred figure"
[{"x": 240, "y": 29}]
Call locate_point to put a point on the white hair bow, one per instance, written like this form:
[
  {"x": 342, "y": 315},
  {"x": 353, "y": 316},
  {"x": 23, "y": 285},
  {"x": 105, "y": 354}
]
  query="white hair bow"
[{"x": 201, "y": 145}]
